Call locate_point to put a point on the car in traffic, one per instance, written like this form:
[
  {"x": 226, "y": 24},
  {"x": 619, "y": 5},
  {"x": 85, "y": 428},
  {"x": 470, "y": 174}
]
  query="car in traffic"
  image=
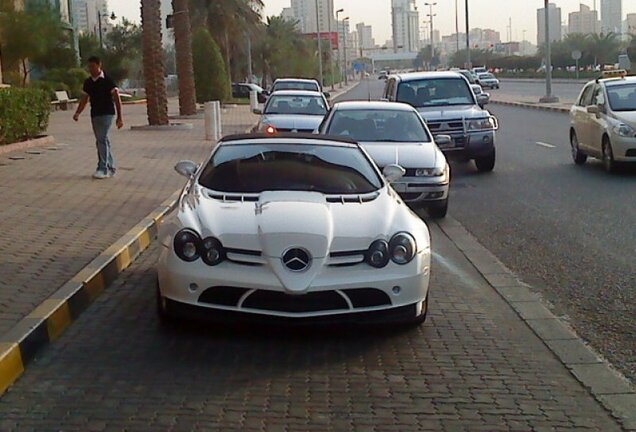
[
  {"x": 488, "y": 80},
  {"x": 283, "y": 84},
  {"x": 243, "y": 90},
  {"x": 383, "y": 75},
  {"x": 449, "y": 106},
  {"x": 603, "y": 121},
  {"x": 294, "y": 227},
  {"x": 470, "y": 76},
  {"x": 479, "y": 70},
  {"x": 292, "y": 111},
  {"x": 396, "y": 134},
  {"x": 483, "y": 98}
]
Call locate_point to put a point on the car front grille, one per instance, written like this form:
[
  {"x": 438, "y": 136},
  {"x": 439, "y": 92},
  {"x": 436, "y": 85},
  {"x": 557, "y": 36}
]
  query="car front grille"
[{"x": 446, "y": 127}]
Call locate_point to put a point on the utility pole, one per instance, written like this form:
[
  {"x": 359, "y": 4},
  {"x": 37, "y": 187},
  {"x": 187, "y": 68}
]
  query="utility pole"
[
  {"x": 344, "y": 37},
  {"x": 338, "y": 12},
  {"x": 457, "y": 23},
  {"x": 99, "y": 23},
  {"x": 250, "y": 73},
  {"x": 319, "y": 45},
  {"x": 330, "y": 18},
  {"x": 548, "y": 98},
  {"x": 468, "y": 61},
  {"x": 432, "y": 15}
]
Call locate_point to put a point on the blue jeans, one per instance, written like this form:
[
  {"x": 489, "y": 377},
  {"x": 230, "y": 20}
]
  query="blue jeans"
[{"x": 101, "y": 128}]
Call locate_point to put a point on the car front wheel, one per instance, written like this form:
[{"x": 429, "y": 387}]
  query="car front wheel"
[
  {"x": 578, "y": 157},
  {"x": 439, "y": 209},
  {"x": 486, "y": 163},
  {"x": 608, "y": 156}
]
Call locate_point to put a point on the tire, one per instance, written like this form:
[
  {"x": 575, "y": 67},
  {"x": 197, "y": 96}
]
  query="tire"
[
  {"x": 486, "y": 163},
  {"x": 439, "y": 209},
  {"x": 579, "y": 157},
  {"x": 608, "y": 156}
]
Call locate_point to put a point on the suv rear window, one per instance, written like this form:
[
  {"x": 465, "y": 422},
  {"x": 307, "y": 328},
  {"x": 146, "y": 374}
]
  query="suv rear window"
[
  {"x": 435, "y": 92},
  {"x": 295, "y": 85}
]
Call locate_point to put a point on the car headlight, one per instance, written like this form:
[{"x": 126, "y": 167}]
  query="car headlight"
[
  {"x": 625, "y": 130},
  {"x": 212, "y": 251},
  {"x": 378, "y": 254},
  {"x": 402, "y": 248},
  {"x": 187, "y": 245},
  {"x": 481, "y": 124},
  {"x": 429, "y": 172}
]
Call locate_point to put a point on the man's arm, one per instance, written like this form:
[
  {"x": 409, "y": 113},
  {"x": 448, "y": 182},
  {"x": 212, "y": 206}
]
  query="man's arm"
[
  {"x": 82, "y": 105},
  {"x": 117, "y": 99}
]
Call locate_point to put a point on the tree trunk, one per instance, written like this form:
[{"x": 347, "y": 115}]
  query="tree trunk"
[
  {"x": 154, "y": 69},
  {"x": 183, "y": 47},
  {"x": 227, "y": 61}
]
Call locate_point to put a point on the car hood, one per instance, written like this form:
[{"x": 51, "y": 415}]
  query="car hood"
[
  {"x": 441, "y": 113},
  {"x": 280, "y": 221},
  {"x": 627, "y": 117},
  {"x": 289, "y": 121},
  {"x": 407, "y": 155}
]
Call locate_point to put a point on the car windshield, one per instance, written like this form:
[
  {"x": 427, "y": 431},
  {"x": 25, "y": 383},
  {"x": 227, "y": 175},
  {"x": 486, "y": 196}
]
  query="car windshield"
[
  {"x": 307, "y": 105},
  {"x": 258, "y": 168},
  {"x": 385, "y": 125},
  {"x": 435, "y": 91},
  {"x": 622, "y": 97},
  {"x": 469, "y": 76},
  {"x": 295, "y": 85},
  {"x": 486, "y": 76}
]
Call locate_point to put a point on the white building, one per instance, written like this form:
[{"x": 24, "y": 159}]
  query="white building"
[
  {"x": 584, "y": 21},
  {"x": 630, "y": 24},
  {"x": 87, "y": 14},
  {"x": 611, "y": 16},
  {"x": 406, "y": 25},
  {"x": 304, "y": 11},
  {"x": 554, "y": 14},
  {"x": 365, "y": 36}
]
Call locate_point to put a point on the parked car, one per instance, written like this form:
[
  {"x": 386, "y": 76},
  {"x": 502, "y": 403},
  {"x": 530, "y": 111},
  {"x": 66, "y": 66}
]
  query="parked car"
[
  {"x": 603, "y": 122},
  {"x": 395, "y": 133},
  {"x": 242, "y": 91},
  {"x": 292, "y": 111},
  {"x": 448, "y": 105},
  {"x": 488, "y": 80},
  {"x": 296, "y": 228}
]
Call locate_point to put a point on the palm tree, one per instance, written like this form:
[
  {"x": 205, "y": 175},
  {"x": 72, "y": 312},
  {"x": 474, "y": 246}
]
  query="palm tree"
[
  {"x": 153, "y": 63},
  {"x": 604, "y": 47},
  {"x": 183, "y": 47}
]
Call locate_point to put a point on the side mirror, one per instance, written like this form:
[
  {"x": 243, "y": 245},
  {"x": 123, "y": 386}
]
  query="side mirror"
[
  {"x": 186, "y": 168},
  {"x": 257, "y": 111},
  {"x": 443, "y": 140},
  {"x": 393, "y": 173},
  {"x": 593, "y": 109},
  {"x": 482, "y": 99},
  {"x": 327, "y": 94}
]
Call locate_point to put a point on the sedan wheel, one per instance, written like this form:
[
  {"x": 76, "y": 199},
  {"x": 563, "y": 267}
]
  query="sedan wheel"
[
  {"x": 608, "y": 157},
  {"x": 439, "y": 209},
  {"x": 486, "y": 163},
  {"x": 578, "y": 157}
]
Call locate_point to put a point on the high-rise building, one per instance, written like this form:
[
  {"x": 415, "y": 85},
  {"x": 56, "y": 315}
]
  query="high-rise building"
[
  {"x": 406, "y": 27},
  {"x": 554, "y": 17},
  {"x": 611, "y": 16},
  {"x": 365, "y": 36},
  {"x": 88, "y": 13},
  {"x": 584, "y": 21},
  {"x": 304, "y": 11},
  {"x": 630, "y": 24}
]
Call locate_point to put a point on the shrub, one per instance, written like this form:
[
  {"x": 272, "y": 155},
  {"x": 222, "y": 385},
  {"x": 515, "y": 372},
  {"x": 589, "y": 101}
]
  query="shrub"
[
  {"x": 24, "y": 114},
  {"x": 72, "y": 80},
  {"x": 210, "y": 77}
]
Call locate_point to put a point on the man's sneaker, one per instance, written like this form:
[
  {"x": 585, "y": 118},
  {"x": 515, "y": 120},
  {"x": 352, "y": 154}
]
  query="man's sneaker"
[
  {"x": 100, "y": 175},
  {"x": 112, "y": 172}
]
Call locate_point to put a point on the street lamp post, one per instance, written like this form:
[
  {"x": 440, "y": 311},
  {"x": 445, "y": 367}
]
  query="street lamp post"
[
  {"x": 330, "y": 18},
  {"x": 319, "y": 45},
  {"x": 344, "y": 47},
  {"x": 468, "y": 61},
  {"x": 548, "y": 98},
  {"x": 432, "y": 15},
  {"x": 99, "y": 24},
  {"x": 457, "y": 23},
  {"x": 338, "y": 12}
]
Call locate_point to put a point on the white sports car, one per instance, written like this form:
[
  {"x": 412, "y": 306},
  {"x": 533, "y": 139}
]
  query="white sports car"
[{"x": 295, "y": 227}]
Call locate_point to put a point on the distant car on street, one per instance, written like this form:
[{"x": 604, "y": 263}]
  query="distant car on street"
[
  {"x": 396, "y": 134},
  {"x": 450, "y": 107},
  {"x": 292, "y": 111},
  {"x": 603, "y": 121},
  {"x": 283, "y": 84},
  {"x": 482, "y": 96},
  {"x": 479, "y": 70},
  {"x": 293, "y": 228},
  {"x": 383, "y": 75},
  {"x": 488, "y": 80},
  {"x": 242, "y": 91}
]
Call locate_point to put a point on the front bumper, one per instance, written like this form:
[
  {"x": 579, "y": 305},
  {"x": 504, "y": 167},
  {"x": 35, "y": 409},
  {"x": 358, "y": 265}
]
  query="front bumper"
[
  {"x": 421, "y": 189},
  {"x": 469, "y": 145},
  {"x": 257, "y": 291},
  {"x": 624, "y": 148}
]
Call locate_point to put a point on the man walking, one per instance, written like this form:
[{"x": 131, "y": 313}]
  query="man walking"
[{"x": 105, "y": 102}]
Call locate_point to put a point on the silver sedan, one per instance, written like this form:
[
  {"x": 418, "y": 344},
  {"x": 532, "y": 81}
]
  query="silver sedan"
[{"x": 292, "y": 111}]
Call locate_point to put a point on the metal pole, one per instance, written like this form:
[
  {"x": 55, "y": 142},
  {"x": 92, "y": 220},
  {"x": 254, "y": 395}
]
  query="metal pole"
[
  {"x": 344, "y": 37},
  {"x": 457, "y": 23},
  {"x": 250, "y": 72},
  {"x": 468, "y": 61},
  {"x": 338, "y": 12},
  {"x": 319, "y": 44},
  {"x": 548, "y": 98},
  {"x": 99, "y": 23},
  {"x": 330, "y": 17}
]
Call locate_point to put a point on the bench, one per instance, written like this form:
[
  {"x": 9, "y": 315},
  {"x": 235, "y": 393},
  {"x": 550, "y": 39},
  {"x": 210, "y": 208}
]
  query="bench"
[{"x": 62, "y": 100}]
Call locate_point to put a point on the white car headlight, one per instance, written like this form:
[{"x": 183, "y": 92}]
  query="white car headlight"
[
  {"x": 429, "y": 172},
  {"x": 481, "y": 124},
  {"x": 625, "y": 130}
]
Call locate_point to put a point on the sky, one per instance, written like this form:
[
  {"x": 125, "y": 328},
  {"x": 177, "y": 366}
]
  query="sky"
[{"x": 483, "y": 13}]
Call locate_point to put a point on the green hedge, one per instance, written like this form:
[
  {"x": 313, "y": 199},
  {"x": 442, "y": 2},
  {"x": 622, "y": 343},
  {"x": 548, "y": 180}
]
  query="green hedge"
[
  {"x": 210, "y": 77},
  {"x": 24, "y": 114}
]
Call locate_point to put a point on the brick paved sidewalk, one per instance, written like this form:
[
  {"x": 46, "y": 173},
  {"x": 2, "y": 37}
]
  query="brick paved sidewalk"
[{"x": 55, "y": 218}]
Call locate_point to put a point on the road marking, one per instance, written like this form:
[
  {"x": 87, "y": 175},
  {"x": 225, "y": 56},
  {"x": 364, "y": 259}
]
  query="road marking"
[{"x": 546, "y": 145}]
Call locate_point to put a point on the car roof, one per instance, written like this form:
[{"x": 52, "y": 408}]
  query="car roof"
[
  {"x": 297, "y": 93},
  {"x": 610, "y": 82},
  {"x": 416, "y": 76},
  {"x": 373, "y": 105},
  {"x": 299, "y": 80},
  {"x": 289, "y": 138}
]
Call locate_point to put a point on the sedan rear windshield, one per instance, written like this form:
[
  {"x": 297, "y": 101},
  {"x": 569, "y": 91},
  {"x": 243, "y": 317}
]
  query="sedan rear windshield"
[
  {"x": 295, "y": 86},
  {"x": 379, "y": 126},
  {"x": 487, "y": 76},
  {"x": 622, "y": 97},
  {"x": 307, "y": 105},
  {"x": 435, "y": 92},
  {"x": 251, "y": 169}
]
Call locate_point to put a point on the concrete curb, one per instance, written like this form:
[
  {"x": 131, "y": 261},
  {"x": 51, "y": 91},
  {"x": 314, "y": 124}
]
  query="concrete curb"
[
  {"x": 37, "y": 142},
  {"x": 50, "y": 319},
  {"x": 610, "y": 388},
  {"x": 532, "y": 106}
]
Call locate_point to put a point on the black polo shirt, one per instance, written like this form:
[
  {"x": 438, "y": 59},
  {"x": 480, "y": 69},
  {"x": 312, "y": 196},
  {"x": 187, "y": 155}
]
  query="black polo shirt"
[{"x": 100, "y": 92}]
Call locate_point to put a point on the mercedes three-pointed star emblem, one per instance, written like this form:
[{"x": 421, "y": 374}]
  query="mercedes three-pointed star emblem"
[{"x": 297, "y": 260}]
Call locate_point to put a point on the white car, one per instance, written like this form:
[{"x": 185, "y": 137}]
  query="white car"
[
  {"x": 292, "y": 111},
  {"x": 487, "y": 80},
  {"x": 394, "y": 133},
  {"x": 603, "y": 122},
  {"x": 296, "y": 227}
]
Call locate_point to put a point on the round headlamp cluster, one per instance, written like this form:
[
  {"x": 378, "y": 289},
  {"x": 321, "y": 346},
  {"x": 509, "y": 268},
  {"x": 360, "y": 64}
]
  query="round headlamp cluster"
[
  {"x": 189, "y": 247},
  {"x": 401, "y": 250}
]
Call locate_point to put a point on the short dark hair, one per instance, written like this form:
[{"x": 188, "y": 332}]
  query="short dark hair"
[{"x": 95, "y": 60}]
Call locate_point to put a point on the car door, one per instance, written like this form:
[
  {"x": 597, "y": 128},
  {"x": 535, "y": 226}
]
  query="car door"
[
  {"x": 580, "y": 118},
  {"x": 598, "y": 122}
]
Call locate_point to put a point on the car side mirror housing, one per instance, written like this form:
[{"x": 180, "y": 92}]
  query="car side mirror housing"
[
  {"x": 483, "y": 100},
  {"x": 393, "y": 173},
  {"x": 443, "y": 140},
  {"x": 257, "y": 111},
  {"x": 186, "y": 168},
  {"x": 593, "y": 109}
]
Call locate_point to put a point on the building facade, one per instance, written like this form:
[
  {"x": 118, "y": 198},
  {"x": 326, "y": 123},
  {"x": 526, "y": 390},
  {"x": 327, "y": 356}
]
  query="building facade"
[
  {"x": 630, "y": 24},
  {"x": 304, "y": 12},
  {"x": 365, "y": 36},
  {"x": 406, "y": 25},
  {"x": 584, "y": 21},
  {"x": 611, "y": 16},
  {"x": 554, "y": 14}
]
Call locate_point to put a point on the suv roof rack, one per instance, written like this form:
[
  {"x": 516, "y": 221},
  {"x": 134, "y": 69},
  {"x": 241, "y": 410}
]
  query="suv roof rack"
[{"x": 288, "y": 135}]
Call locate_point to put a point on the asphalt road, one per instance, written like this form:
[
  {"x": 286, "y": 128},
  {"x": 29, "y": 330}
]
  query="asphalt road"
[{"x": 569, "y": 231}]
